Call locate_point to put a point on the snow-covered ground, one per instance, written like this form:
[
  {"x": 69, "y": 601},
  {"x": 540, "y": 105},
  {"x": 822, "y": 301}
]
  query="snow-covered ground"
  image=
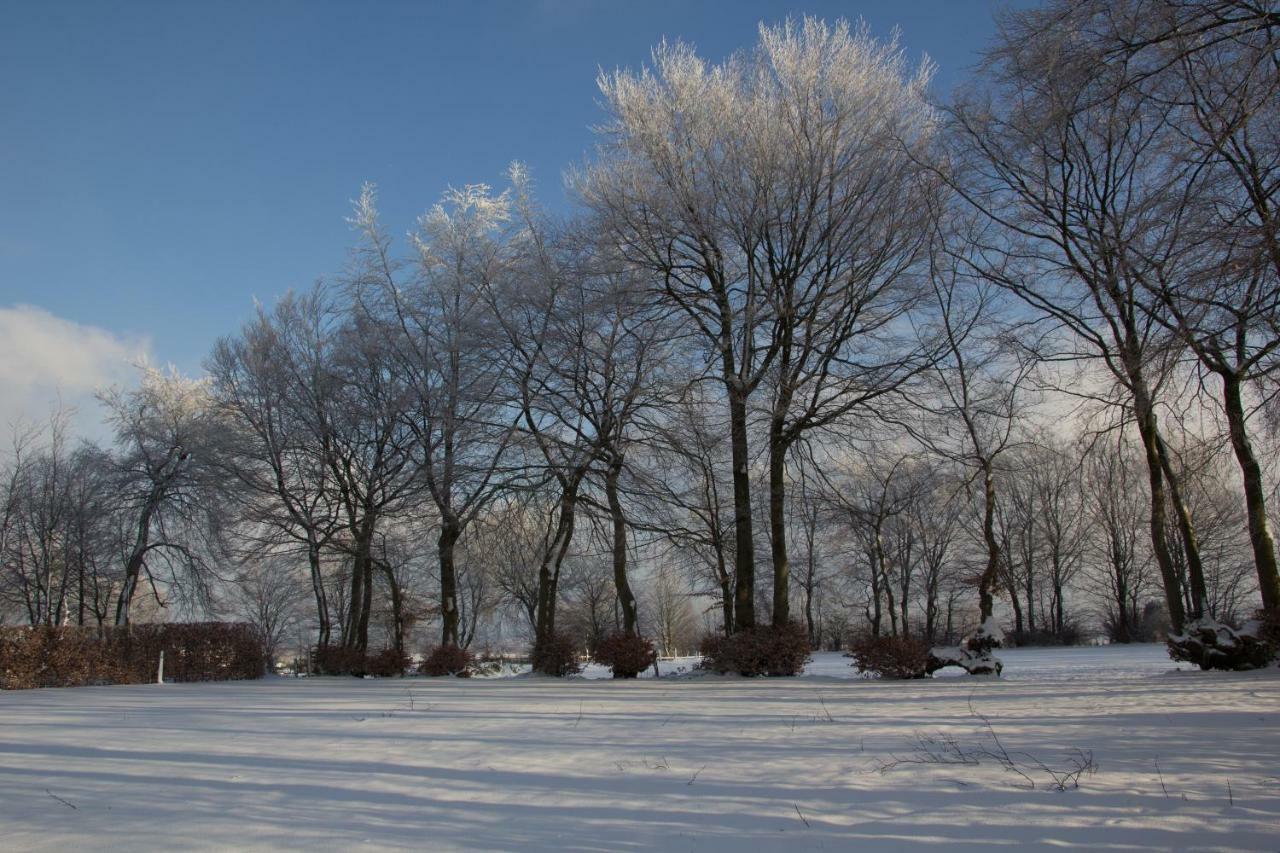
[{"x": 1185, "y": 760}]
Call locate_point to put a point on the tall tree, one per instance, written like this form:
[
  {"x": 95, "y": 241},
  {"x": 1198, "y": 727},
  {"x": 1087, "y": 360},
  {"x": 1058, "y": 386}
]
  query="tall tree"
[
  {"x": 1073, "y": 164},
  {"x": 441, "y": 337},
  {"x": 773, "y": 199}
]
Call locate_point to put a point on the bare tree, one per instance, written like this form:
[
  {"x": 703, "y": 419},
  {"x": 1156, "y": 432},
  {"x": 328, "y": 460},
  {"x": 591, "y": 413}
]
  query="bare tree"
[
  {"x": 441, "y": 340},
  {"x": 269, "y": 595},
  {"x": 771, "y": 199},
  {"x": 979, "y": 394},
  {"x": 1215, "y": 65},
  {"x": 580, "y": 361},
  {"x": 690, "y": 453},
  {"x": 673, "y": 620},
  {"x": 1121, "y": 565},
  {"x": 272, "y": 386},
  {"x": 1073, "y": 165},
  {"x": 164, "y": 489}
]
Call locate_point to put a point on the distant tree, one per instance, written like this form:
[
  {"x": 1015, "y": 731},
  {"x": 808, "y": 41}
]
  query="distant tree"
[
  {"x": 269, "y": 595},
  {"x": 273, "y": 389},
  {"x": 166, "y": 492}
]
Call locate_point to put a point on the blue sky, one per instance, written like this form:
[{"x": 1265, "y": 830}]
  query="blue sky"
[{"x": 164, "y": 164}]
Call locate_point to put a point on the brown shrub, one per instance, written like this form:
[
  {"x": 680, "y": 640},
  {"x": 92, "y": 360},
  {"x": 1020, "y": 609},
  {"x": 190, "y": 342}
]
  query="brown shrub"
[
  {"x": 447, "y": 660},
  {"x": 891, "y": 657},
  {"x": 626, "y": 656},
  {"x": 338, "y": 660},
  {"x": 43, "y": 656},
  {"x": 387, "y": 663},
  {"x": 764, "y": 650},
  {"x": 556, "y": 655}
]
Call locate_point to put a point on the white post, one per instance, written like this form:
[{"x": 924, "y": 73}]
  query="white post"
[{"x": 160, "y": 672}]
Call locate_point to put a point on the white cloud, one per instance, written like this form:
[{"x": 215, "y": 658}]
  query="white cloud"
[{"x": 45, "y": 359}]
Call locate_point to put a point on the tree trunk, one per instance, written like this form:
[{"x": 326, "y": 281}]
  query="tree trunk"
[
  {"x": 1264, "y": 548},
  {"x": 744, "y": 554},
  {"x": 1186, "y": 531},
  {"x": 986, "y": 601},
  {"x": 397, "y": 608},
  {"x": 626, "y": 600},
  {"x": 362, "y": 630},
  {"x": 446, "y": 545},
  {"x": 778, "y": 524},
  {"x": 1155, "y": 474},
  {"x": 876, "y": 613},
  {"x": 549, "y": 570},
  {"x": 350, "y": 625},
  {"x": 1019, "y": 622},
  {"x": 317, "y": 588},
  {"x": 726, "y": 593},
  {"x": 133, "y": 568},
  {"x": 814, "y": 639},
  {"x": 1029, "y": 588},
  {"x": 1058, "y": 620}
]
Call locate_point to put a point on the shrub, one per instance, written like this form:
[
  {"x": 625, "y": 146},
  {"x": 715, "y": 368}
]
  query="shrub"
[
  {"x": 43, "y": 656},
  {"x": 448, "y": 660},
  {"x": 556, "y": 655},
  {"x": 1268, "y": 626},
  {"x": 764, "y": 650},
  {"x": 338, "y": 660},
  {"x": 891, "y": 657},
  {"x": 1070, "y": 635},
  {"x": 388, "y": 663},
  {"x": 626, "y": 656}
]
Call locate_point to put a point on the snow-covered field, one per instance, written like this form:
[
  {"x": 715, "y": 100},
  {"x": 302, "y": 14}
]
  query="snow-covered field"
[{"x": 1185, "y": 760}]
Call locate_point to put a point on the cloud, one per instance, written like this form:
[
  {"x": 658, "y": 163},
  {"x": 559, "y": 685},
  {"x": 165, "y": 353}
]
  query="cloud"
[{"x": 46, "y": 359}]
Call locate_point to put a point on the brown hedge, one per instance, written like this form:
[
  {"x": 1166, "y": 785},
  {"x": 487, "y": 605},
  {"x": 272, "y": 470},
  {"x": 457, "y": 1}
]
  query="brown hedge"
[
  {"x": 448, "y": 660},
  {"x": 763, "y": 650},
  {"x": 891, "y": 657},
  {"x": 338, "y": 660},
  {"x": 626, "y": 656},
  {"x": 556, "y": 655},
  {"x": 42, "y": 656}
]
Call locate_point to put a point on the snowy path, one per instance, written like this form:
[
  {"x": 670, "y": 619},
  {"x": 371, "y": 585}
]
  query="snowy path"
[{"x": 672, "y": 764}]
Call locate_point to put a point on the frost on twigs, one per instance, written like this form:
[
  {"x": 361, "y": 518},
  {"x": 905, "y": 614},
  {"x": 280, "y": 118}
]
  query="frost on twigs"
[
  {"x": 973, "y": 655},
  {"x": 1212, "y": 645}
]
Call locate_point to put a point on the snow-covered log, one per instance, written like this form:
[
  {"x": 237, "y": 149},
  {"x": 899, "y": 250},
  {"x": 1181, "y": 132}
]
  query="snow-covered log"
[
  {"x": 973, "y": 655},
  {"x": 1211, "y": 645}
]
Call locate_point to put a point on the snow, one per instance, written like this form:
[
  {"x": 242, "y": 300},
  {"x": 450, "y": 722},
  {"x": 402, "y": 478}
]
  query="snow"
[{"x": 703, "y": 763}]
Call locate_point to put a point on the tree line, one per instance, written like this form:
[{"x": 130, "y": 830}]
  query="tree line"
[{"x": 813, "y": 345}]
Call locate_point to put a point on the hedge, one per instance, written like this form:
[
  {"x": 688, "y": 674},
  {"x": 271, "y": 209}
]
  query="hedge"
[{"x": 41, "y": 656}]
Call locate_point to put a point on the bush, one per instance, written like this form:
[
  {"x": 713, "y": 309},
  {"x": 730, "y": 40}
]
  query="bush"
[
  {"x": 43, "y": 656},
  {"x": 763, "y": 650},
  {"x": 557, "y": 655},
  {"x": 1070, "y": 635},
  {"x": 626, "y": 656},
  {"x": 338, "y": 660},
  {"x": 1268, "y": 626},
  {"x": 388, "y": 663},
  {"x": 891, "y": 657},
  {"x": 448, "y": 660}
]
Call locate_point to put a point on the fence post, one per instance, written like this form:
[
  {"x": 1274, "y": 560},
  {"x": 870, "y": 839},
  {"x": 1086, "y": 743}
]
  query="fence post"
[{"x": 160, "y": 671}]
